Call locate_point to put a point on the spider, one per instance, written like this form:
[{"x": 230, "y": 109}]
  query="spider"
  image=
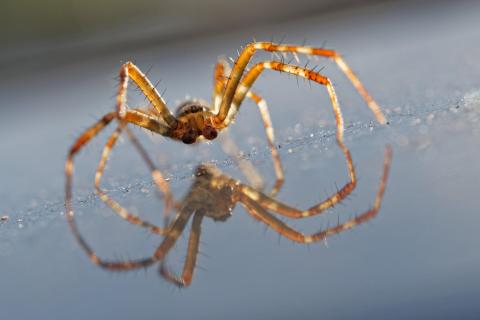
[
  {"x": 197, "y": 120},
  {"x": 213, "y": 194}
]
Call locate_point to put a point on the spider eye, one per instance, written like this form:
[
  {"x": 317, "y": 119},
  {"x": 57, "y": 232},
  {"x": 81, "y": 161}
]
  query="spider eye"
[
  {"x": 189, "y": 137},
  {"x": 209, "y": 133}
]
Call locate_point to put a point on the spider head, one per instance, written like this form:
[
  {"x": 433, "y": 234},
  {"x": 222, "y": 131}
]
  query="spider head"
[
  {"x": 192, "y": 133},
  {"x": 195, "y": 117}
]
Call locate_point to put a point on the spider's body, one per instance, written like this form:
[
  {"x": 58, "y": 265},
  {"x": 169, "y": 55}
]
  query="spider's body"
[
  {"x": 215, "y": 195},
  {"x": 211, "y": 194},
  {"x": 194, "y": 120}
]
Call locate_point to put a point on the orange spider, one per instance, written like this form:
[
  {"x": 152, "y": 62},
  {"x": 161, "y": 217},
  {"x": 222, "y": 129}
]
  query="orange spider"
[{"x": 196, "y": 120}]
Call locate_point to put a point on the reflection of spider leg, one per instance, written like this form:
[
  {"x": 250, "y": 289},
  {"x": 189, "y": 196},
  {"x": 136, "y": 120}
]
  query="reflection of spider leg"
[
  {"x": 259, "y": 213},
  {"x": 283, "y": 209},
  {"x": 191, "y": 260},
  {"x": 175, "y": 230},
  {"x": 245, "y": 166},
  {"x": 121, "y": 211},
  {"x": 246, "y": 55},
  {"x": 221, "y": 69}
]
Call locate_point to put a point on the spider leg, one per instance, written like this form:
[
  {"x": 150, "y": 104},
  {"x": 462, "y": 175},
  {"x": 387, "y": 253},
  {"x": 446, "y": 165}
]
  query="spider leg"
[
  {"x": 193, "y": 242},
  {"x": 246, "y": 55},
  {"x": 221, "y": 69},
  {"x": 131, "y": 71},
  {"x": 77, "y": 146},
  {"x": 146, "y": 120},
  {"x": 259, "y": 213},
  {"x": 219, "y": 80},
  {"x": 226, "y": 142},
  {"x": 252, "y": 75},
  {"x": 267, "y": 122},
  {"x": 120, "y": 210},
  {"x": 341, "y": 63}
]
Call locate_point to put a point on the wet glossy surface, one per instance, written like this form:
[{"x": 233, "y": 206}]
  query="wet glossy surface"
[{"x": 418, "y": 258}]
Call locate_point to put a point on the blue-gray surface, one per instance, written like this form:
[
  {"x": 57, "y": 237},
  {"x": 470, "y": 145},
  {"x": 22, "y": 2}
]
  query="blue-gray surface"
[{"x": 419, "y": 258}]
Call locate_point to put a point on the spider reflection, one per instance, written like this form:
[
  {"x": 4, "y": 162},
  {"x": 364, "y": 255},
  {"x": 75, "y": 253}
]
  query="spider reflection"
[{"x": 214, "y": 194}]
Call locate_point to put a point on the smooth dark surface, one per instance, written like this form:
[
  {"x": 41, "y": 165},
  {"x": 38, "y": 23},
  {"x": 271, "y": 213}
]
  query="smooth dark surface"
[{"x": 419, "y": 258}]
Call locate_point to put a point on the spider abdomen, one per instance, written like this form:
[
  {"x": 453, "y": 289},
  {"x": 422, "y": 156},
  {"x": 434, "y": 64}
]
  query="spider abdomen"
[{"x": 189, "y": 107}]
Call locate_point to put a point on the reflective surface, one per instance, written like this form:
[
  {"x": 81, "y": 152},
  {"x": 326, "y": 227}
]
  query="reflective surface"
[
  {"x": 418, "y": 258},
  {"x": 214, "y": 195}
]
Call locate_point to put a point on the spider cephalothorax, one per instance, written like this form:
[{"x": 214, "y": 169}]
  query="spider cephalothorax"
[{"x": 194, "y": 120}]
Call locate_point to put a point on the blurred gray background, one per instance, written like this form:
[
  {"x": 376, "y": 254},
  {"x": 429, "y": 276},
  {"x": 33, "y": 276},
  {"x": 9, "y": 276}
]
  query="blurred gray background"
[
  {"x": 56, "y": 31},
  {"x": 418, "y": 259}
]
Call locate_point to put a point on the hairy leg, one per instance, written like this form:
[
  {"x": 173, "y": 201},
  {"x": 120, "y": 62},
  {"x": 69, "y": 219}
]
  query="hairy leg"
[
  {"x": 259, "y": 213},
  {"x": 272, "y": 204},
  {"x": 245, "y": 56},
  {"x": 131, "y": 71},
  {"x": 221, "y": 69}
]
